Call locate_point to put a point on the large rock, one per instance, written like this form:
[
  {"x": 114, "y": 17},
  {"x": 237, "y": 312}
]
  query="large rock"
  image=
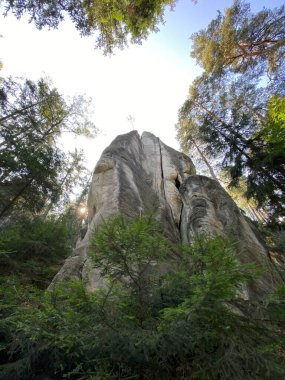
[
  {"x": 134, "y": 175},
  {"x": 208, "y": 209},
  {"x": 140, "y": 175}
]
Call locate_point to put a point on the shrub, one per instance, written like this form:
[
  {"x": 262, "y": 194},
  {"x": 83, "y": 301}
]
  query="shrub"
[
  {"x": 163, "y": 315},
  {"x": 33, "y": 249}
]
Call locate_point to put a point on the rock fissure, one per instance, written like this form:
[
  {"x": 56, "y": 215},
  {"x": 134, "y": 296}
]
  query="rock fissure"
[
  {"x": 180, "y": 222},
  {"x": 177, "y": 183},
  {"x": 161, "y": 168},
  {"x": 163, "y": 183}
]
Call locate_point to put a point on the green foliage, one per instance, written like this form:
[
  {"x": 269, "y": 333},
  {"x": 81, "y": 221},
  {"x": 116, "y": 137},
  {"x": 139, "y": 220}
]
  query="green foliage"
[
  {"x": 31, "y": 253},
  {"x": 135, "y": 245},
  {"x": 226, "y": 114},
  {"x": 131, "y": 257},
  {"x": 275, "y": 306},
  {"x": 273, "y": 129},
  {"x": 239, "y": 40},
  {"x": 274, "y": 238},
  {"x": 271, "y": 157},
  {"x": 234, "y": 109},
  {"x": 33, "y": 167},
  {"x": 32, "y": 249},
  {"x": 186, "y": 319},
  {"x": 116, "y": 21}
]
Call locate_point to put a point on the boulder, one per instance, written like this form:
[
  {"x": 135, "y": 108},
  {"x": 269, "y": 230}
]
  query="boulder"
[{"x": 140, "y": 174}]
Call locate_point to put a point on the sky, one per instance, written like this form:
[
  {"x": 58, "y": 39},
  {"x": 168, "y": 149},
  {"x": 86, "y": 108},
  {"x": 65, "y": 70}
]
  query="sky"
[{"x": 149, "y": 81}]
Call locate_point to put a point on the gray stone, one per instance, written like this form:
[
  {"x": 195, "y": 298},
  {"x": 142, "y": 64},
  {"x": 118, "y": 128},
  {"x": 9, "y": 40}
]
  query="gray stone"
[
  {"x": 138, "y": 175},
  {"x": 135, "y": 175},
  {"x": 208, "y": 209}
]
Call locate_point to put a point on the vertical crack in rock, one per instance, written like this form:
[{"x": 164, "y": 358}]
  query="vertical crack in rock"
[
  {"x": 180, "y": 222},
  {"x": 168, "y": 206},
  {"x": 161, "y": 168}
]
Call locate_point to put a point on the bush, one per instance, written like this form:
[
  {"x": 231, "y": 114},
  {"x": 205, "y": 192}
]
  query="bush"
[
  {"x": 33, "y": 249},
  {"x": 166, "y": 313}
]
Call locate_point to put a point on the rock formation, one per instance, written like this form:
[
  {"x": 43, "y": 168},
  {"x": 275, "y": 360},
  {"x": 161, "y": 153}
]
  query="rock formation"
[{"x": 141, "y": 174}]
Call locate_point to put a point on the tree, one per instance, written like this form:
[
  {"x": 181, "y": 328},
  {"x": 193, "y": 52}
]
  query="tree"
[
  {"x": 73, "y": 175},
  {"x": 39, "y": 106},
  {"x": 115, "y": 22},
  {"x": 238, "y": 194},
  {"x": 229, "y": 106},
  {"x": 165, "y": 312},
  {"x": 241, "y": 40},
  {"x": 131, "y": 258},
  {"x": 192, "y": 143},
  {"x": 32, "y": 118},
  {"x": 227, "y": 114},
  {"x": 273, "y": 129},
  {"x": 33, "y": 249}
]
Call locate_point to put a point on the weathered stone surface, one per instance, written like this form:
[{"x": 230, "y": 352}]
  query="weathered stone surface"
[
  {"x": 134, "y": 175},
  {"x": 141, "y": 174},
  {"x": 208, "y": 209}
]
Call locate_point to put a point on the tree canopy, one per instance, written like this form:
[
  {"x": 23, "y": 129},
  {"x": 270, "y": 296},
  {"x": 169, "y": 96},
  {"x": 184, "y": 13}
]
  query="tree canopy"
[
  {"x": 32, "y": 118},
  {"x": 233, "y": 109},
  {"x": 239, "y": 39},
  {"x": 227, "y": 115},
  {"x": 114, "y": 22}
]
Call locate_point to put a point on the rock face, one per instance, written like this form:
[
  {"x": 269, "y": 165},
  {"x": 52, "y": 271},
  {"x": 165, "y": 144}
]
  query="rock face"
[
  {"x": 141, "y": 174},
  {"x": 208, "y": 208}
]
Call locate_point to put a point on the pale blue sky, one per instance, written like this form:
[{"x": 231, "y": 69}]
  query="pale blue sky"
[{"x": 149, "y": 81}]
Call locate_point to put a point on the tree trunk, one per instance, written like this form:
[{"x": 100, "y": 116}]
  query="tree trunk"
[
  {"x": 19, "y": 111},
  {"x": 213, "y": 175}
]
